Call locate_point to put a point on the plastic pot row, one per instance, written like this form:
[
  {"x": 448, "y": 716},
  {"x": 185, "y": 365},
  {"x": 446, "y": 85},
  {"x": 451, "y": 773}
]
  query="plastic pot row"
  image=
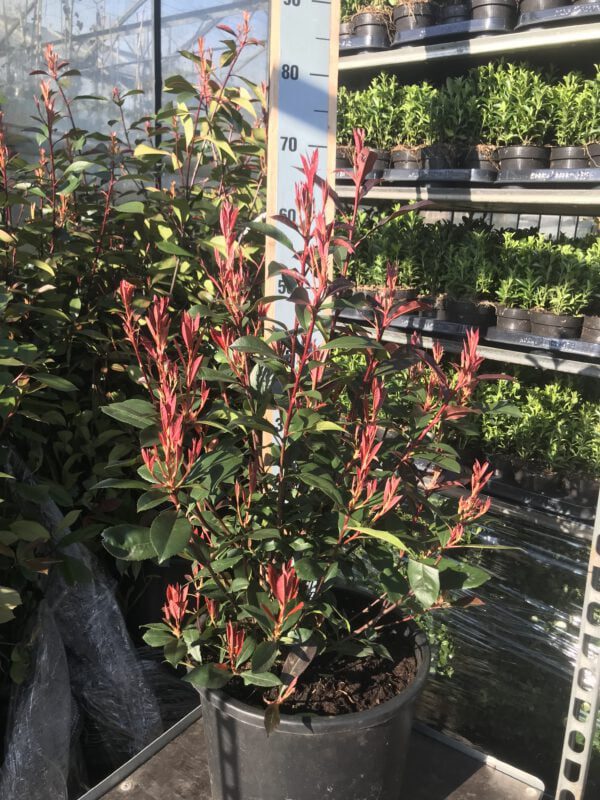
[{"x": 376, "y": 30}]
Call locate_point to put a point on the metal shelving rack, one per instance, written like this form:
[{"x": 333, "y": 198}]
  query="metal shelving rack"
[{"x": 572, "y": 45}]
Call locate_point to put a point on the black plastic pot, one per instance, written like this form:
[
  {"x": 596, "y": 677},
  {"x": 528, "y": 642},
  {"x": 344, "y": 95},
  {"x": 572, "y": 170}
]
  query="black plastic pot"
[
  {"x": 405, "y": 295},
  {"x": 348, "y": 757},
  {"x": 568, "y": 158},
  {"x": 513, "y": 319},
  {"x": 373, "y": 25},
  {"x": 593, "y": 151},
  {"x": 416, "y": 15},
  {"x": 457, "y": 12},
  {"x": 406, "y": 158},
  {"x": 480, "y": 158},
  {"x": 503, "y": 467},
  {"x": 505, "y": 10},
  {"x": 555, "y": 326},
  {"x": 591, "y": 329},
  {"x": 437, "y": 156},
  {"x": 523, "y": 158},
  {"x": 532, "y": 480},
  {"x": 581, "y": 489},
  {"x": 342, "y": 158},
  {"x": 478, "y": 315},
  {"x": 346, "y": 29},
  {"x": 382, "y": 161},
  {"x": 528, "y": 6}
]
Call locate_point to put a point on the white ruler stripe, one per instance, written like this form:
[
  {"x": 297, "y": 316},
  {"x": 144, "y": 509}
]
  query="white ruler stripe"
[{"x": 301, "y": 62}]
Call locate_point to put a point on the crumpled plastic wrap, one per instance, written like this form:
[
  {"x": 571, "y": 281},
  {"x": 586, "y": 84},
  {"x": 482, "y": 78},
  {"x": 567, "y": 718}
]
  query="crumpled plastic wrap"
[
  {"x": 513, "y": 657},
  {"x": 40, "y": 720},
  {"x": 95, "y": 666}
]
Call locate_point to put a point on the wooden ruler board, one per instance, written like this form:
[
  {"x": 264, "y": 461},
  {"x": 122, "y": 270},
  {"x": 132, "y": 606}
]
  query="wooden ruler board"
[{"x": 303, "y": 65}]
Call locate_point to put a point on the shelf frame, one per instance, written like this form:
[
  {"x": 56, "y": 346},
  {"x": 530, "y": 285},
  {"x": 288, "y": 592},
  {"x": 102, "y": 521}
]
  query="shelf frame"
[
  {"x": 578, "y": 202},
  {"x": 515, "y": 43}
]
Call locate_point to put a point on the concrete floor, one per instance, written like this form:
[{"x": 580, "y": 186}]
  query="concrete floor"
[{"x": 434, "y": 772}]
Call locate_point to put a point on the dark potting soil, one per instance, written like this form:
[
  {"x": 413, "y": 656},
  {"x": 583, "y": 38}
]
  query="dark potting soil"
[{"x": 344, "y": 684}]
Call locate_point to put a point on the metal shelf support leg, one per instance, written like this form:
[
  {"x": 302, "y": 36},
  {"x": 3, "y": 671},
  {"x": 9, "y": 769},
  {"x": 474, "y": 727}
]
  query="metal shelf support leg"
[{"x": 585, "y": 689}]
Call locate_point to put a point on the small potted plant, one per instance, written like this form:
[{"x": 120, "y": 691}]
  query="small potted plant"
[
  {"x": 411, "y": 14},
  {"x": 570, "y": 123},
  {"x": 373, "y": 22},
  {"x": 558, "y": 310},
  {"x": 457, "y": 125},
  {"x": 516, "y": 109},
  {"x": 414, "y": 128},
  {"x": 589, "y": 113},
  {"x": 591, "y": 320},
  {"x": 283, "y": 535},
  {"x": 510, "y": 315},
  {"x": 376, "y": 112},
  {"x": 471, "y": 274}
]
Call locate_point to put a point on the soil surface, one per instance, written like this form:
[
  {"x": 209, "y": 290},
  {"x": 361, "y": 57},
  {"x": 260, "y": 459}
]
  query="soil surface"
[{"x": 343, "y": 684}]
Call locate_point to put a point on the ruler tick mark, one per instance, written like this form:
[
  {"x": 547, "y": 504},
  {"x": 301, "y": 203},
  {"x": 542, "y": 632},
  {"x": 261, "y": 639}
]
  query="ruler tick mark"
[
  {"x": 322, "y": 38},
  {"x": 318, "y": 74},
  {"x": 318, "y": 146},
  {"x": 320, "y": 111}
]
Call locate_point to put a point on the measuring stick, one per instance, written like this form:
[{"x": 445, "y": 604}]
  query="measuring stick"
[{"x": 303, "y": 62}]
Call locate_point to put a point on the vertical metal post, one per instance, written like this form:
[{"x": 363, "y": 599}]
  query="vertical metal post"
[
  {"x": 585, "y": 689},
  {"x": 157, "y": 53}
]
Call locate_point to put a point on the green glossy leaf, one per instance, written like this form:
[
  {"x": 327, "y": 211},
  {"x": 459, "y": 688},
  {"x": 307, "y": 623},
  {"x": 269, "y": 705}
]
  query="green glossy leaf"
[
  {"x": 209, "y": 676},
  {"x": 264, "y": 656},
  {"x": 128, "y": 542},
  {"x": 139, "y": 413},
  {"x": 261, "y": 679},
  {"x": 169, "y": 534},
  {"x": 384, "y": 536},
  {"x": 54, "y": 382},
  {"x": 424, "y": 581}
]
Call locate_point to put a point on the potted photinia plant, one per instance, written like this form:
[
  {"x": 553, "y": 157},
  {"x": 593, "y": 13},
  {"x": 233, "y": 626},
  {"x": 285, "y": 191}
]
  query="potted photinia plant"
[
  {"x": 516, "y": 109},
  {"x": 313, "y": 534}
]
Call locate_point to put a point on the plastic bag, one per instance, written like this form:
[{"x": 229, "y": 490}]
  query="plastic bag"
[{"x": 40, "y": 720}]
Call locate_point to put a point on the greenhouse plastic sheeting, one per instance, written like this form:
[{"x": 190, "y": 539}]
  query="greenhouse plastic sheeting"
[
  {"x": 95, "y": 666},
  {"x": 111, "y": 43},
  {"x": 513, "y": 657},
  {"x": 41, "y": 717}
]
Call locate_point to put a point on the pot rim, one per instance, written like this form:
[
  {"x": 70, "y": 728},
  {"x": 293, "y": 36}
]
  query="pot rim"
[
  {"x": 528, "y": 148},
  {"x": 562, "y": 320},
  {"x": 308, "y": 725},
  {"x": 508, "y": 3}
]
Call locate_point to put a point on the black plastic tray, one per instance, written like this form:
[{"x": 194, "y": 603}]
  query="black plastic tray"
[
  {"x": 462, "y": 176},
  {"x": 587, "y": 175},
  {"x": 451, "y": 30},
  {"x": 556, "y": 16},
  {"x": 529, "y": 340},
  {"x": 350, "y": 45}
]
